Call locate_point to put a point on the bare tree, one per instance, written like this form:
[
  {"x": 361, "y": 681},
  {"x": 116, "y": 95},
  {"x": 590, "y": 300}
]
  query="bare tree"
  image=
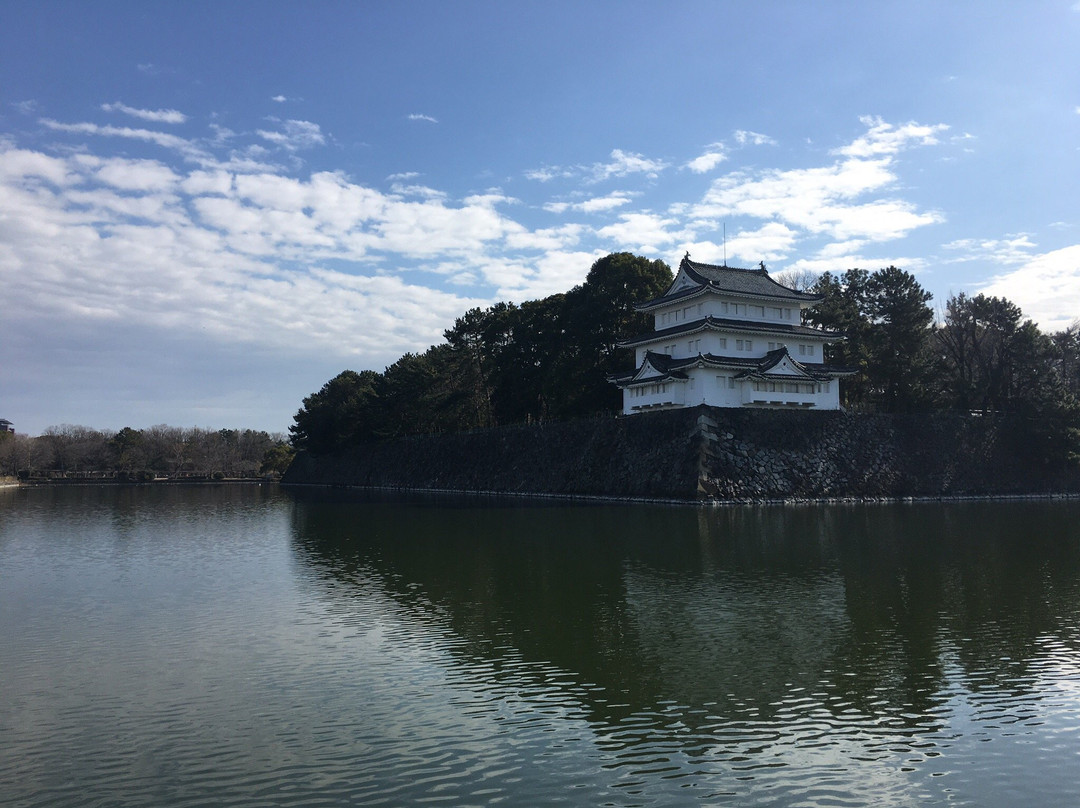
[{"x": 801, "y": 280}]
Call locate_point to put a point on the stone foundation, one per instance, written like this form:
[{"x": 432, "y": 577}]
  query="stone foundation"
[{"x": 710, "y": 454}]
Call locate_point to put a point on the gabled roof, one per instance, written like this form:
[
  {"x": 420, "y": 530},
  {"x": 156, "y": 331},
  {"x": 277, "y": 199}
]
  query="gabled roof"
[
  {"x": 711, "y": 323},
  {"x": 693, "y": 279},
  {"x": 654, "y": 367},
  {"x": 661, "y": 367}
]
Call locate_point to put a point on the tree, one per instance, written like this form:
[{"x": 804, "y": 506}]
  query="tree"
[
  {"x": 900, "y": 372},
  {"x": 845, "y": 308},
  {"x": 276, "y": 459},
  {"x": 76, "y": 448},
  {"x": 341, "y": 413},
  {"x": 886, "y": 320},
  {"x": 801, "y": 280},
  {"x": 977, "y": 343},
  {"x": 127, "y": 450},
  {"x": 1068, "y": 345},
  {"x": 598, "y": 315}
]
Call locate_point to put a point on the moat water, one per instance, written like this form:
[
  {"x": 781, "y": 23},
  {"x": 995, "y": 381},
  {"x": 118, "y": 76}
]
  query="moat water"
[{"x": 253, "y": 646}]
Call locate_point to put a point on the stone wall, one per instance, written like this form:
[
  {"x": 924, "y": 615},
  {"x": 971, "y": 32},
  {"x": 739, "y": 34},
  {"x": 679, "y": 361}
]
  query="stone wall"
[{"x": 715, "y": 454}]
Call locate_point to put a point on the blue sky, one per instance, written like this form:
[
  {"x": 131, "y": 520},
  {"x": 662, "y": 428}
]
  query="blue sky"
[{"x": 209, "y": 209}]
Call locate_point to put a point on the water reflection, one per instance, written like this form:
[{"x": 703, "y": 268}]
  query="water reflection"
[{"x": 752, "y": 638}]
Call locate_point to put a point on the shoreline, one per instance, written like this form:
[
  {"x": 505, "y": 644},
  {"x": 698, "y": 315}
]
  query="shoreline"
[
  {"x": 793, "y": 502},
  {"x": 61, "y": 483}
]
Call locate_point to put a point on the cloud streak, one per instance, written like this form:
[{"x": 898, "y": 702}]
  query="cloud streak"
[{"x": 152, "y": 115}]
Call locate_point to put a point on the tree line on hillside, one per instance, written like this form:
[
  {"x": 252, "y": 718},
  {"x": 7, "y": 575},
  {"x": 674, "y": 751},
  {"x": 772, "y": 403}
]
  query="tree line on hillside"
[
  {"x": 70, "y": 451},
  {"x": 549, "y": 359}
]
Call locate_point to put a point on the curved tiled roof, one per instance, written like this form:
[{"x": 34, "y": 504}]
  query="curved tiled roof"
[
  {"x": 668, "y": 368},
  {"x": 731, "y": 280},
  {"x": 725, "y": 324}
]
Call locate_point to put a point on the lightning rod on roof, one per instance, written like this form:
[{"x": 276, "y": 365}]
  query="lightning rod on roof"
[{"x": 725, "y": 243}]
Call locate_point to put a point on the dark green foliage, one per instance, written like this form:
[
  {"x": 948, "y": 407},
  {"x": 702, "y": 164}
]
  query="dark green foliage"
[
  {"x": 900, "y": 371},
  {"x": 886, "y": 320},
  {"x": 505, "y": 364},
  {"x": 276, "y": 459},
  {"x": 342, "y": 412}
]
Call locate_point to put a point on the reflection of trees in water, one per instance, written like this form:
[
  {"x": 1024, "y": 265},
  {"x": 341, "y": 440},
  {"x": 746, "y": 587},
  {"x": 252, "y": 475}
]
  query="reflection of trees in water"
[{"x": 724, "y": 611}]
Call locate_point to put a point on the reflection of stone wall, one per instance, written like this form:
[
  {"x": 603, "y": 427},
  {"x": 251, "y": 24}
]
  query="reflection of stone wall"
[{"x": 721, "y": 454}]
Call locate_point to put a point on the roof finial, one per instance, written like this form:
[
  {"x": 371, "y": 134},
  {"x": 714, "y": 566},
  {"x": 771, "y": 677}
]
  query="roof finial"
[
  {"x": 687, "y": 256},
  {"x": 762, "y": 265}
]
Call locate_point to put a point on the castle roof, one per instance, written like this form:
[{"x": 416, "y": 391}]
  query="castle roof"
[
  {"x": 711, "y": 323},
  {"x": 661, "y": 367},
  {"x": 694, "y": 279}
]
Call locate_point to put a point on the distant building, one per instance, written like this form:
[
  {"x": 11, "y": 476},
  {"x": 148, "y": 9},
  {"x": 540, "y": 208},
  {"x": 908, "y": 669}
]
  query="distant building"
[
  {"x": 6, "y": 425},
  {"x": 730, "y": 337}
]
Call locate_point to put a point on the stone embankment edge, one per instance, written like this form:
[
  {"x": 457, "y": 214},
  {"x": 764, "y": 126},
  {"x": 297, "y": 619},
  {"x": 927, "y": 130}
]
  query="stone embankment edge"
[
  {"x": 602, "y": 499},
  {"x": 716, "y": 457}
]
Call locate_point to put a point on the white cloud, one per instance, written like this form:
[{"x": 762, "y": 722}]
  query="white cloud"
[
  {"x": 153, "y": 115},
  {"x": 405, "y": 175},
  {"x": 1016, "y": 248},
  {"x": 823, "y": 200},
  {"x": 416, "y": 190},
  {"x": 128, "y": 254},
  {"x": 885, "y": 139},
  {"x": 743, "y": 136},
  {"x": 713, "y": 156},
  {"x": 295, "y": 135},
  {"x": 416, "y": 116},
  {"x": 596, "y": 204},
  {"x": 163, "y": 139},
  {"x": 221, "y": 134},
  {"x": 770, "y": 242},
  {"x": 624, "y": 163},
  {"x": 552, "y": 272},
  {"x": 548, "y": 173},
  {"x": 642, "y": 232},
  {"x": 136, "y": 175},
  {"x": 280, "y": 99},
  {"x": 621, "y": 164},
  {"x": 1047, "y": 288},
  {"x": 552, "y": 239},
  {"x": 22, "y": 164}
]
